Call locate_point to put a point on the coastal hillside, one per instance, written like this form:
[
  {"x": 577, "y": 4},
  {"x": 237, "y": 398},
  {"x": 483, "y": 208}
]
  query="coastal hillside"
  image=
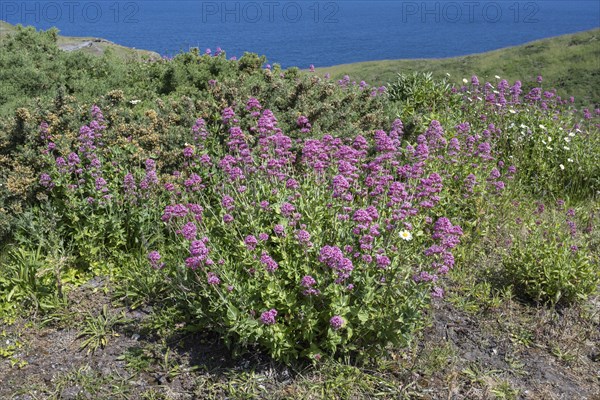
[
  {"x": 570, "y": 63},
  {"x": 90, "y": 45}
]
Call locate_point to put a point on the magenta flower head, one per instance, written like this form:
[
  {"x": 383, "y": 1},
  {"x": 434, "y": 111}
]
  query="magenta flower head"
[
  {"x": 303, "y": 237},
  {"x": 46, "y": 180},
  {"x": 437, "y": 292},
  {"x": 100, "y": 183},
  {"x": 270, "y": 264},
  {"x": 188, "y": 151},
  {"x": 250, "y": 242},
  {"x": 279, "y": 229},
  {"x": 213, "y": 279},
  {"x": 227, "y": 218},
  {"x": 336, "y": 322},
  {"x": 382, "y": 261},
  {"x": 287, "y": 209},
  {"x": 308, "y": 281},
  {"x": 154, "y": 258},
  {"x": 188, "y": 231},
  {"x": 268, "y": 317},
  {"x": 228, "y": 203}
]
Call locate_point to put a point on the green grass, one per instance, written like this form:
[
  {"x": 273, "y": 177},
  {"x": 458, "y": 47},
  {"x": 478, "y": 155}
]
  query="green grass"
[{"x": 570, "y": 62}]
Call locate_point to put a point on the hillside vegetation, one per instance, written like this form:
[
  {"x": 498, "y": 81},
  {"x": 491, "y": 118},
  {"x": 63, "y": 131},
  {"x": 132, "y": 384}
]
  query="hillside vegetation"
[
  {"x": 205, "y": 227},
  {"x": 570, "y": 63},
  {"x": 91, "y": 45}
]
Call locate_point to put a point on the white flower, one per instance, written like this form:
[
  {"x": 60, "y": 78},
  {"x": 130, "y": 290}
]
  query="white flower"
[
  {"x": 465, "y": 80},
  {"x": 549, "y": 138},
  {"x": 567, "y": 139},
  {"x": 562, "y": 167},
  {"x": 542, "y": 126},
  {"x": 569, "y": 159},
  {"x": 447, "y": 74},
  {"x": 496, "y": 76},
  {"x": 512, "y": 111},
  {"x": 406, "y": 235},
  {"x": 566, "y": 148},
  {"x": 572, "y": 134},
  {"x": 549, "y": 148},
  {"x": 135, "y": 101}
]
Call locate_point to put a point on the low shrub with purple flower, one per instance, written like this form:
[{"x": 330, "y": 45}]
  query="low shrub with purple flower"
[
  {"x": 104, "y": 206},
  {"x": 357, "y": 243},
  {"x": 550, "y": 258}
]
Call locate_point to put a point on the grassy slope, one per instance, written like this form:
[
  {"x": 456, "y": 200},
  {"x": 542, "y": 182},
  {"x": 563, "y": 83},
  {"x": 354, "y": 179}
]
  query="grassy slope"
[
  {"x": 92, "y": 46},
  {"x": 570, "y": 62}
]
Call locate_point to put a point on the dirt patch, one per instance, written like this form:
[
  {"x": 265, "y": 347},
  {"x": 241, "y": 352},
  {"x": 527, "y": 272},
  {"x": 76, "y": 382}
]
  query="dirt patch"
[{"x": 513, "y": 347}]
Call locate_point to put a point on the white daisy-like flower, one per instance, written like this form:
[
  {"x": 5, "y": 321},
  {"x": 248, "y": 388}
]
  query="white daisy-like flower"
[
  {"x": 465, "y": 80},
  {"x": 562, "y": 167},
  {"x": 512, "y": 111},
  {"x": 135, "y": 101},
  {"x": 566, "y": 148},
  {"x": 569, "y": 159},
  {"x": 496, "y": 76},
  {"x": 567, "y": 139},
  {"x": 406, "y": 235},
  {"x": 549, "y": 138}
]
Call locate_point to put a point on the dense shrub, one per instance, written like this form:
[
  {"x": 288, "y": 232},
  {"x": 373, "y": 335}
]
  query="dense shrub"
[
  {"x": 150, "y": 104},
  {"x": 550, "y": 258},
  {"x": 306, "y": 246}
]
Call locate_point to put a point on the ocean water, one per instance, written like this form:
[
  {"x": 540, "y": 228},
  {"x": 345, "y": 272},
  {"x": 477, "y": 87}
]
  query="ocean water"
[{"x": 304, "y": 32}]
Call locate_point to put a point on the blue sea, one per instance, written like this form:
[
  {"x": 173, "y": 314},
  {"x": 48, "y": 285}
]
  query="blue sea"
[{"x": 304, "y": 32}]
